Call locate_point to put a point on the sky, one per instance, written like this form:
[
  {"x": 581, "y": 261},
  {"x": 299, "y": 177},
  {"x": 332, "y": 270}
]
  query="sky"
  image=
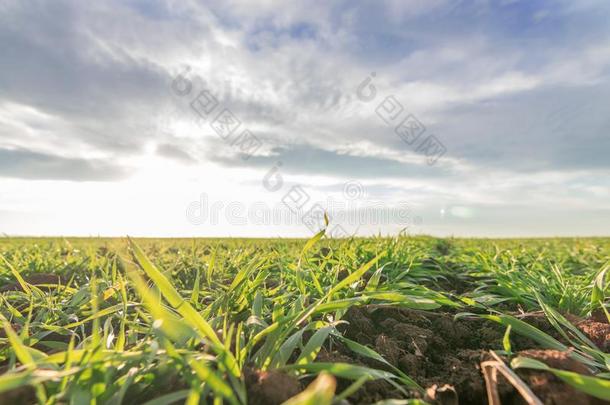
[{"x": 241, "y": 118}]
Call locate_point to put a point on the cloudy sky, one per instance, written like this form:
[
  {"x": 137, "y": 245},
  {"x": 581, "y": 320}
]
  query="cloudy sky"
[{"x": 168, "y": 118}]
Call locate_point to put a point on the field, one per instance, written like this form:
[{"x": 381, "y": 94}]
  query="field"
[{"x": 320, "y": 321}]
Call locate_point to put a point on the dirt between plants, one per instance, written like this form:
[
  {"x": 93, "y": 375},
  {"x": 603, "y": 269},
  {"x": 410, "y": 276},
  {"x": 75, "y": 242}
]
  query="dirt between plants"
[
  {"x": 550, "y": 388},
  {"x": 444, "y": 356},
  {"x": 270, "y": 387},
  {"x": 34, "y": 279},
  {"x": 598, "y": 332}
]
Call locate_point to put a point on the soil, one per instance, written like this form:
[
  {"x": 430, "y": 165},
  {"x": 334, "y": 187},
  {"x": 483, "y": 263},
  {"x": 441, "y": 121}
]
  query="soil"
[
  {"x": 550, "y": 388},
  {"x": 444, "y": 355},
  {"x": 447, "y": 280},
  {"x": 430, "y": 347},
  {"x": 34, "y": 279},
  {"x": 599, "y": 316},
  {"x": 598, "y": 332},
  {"x": 270, "y": 387},
  {"x": 22, "y": 395}
]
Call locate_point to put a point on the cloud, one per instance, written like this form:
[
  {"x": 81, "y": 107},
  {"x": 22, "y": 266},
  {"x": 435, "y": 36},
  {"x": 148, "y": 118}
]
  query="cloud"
[
  {"x": 174, "y": 152},
  {"x": 24, "y": 164},
  {"x": 305, "y": 159},
  {"x": 519, "y": 99}
]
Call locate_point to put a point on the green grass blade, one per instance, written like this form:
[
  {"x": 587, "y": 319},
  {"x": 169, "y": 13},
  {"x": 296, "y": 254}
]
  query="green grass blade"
[
  {"x": 313, "y": 346},
  {"x": 320, "y": 392}
]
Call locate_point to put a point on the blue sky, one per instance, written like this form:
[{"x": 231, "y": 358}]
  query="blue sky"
[{"x": 93, "y": 140}]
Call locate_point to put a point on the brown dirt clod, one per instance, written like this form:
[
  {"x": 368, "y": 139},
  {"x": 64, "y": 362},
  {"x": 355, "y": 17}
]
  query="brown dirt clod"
[
  {"x": 598, "y": 332},
  {"x": 547, "y": 387},
  {"x": 556, "y": 359},
  {"x": 445, "y": 395},
  {"x": 34, "y": 279},
  {"x": 599, "y": 315},
  {"x": 388, "y": 348},
  {"x": 270, "y": 387},
  {"x": 21, "y": 395}
]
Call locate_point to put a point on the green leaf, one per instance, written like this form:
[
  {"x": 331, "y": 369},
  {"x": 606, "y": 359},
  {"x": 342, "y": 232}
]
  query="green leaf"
[
  {"x": 287, "y": 348},
  {"x": 313, "y": 346},
  {"x": 9, "y": 381},
  {"x": 196, "y": 288},
  {"x": 506, "y": 340},
  {"x": 374, "y": 280},
  {"x": 211, "y": 267},
  {"x": 408, "y": 301},
  {"x": 163, "y": 320},
  {"x": 335, "y": 305},
  {"x": 21, "y": 351},
  {"x": 310, "y": 243},
  {"x": 211, "y": 378},
  {"x": 320, "y": 392},
  {"x": 343, "y": 370},
  {"x": 559, "y": 322},
  {"x": 599, "y": 288}
]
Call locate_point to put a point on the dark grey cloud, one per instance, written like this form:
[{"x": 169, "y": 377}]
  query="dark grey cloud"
[
  {"x": 53, "y": 61},
  {"x": 554, "y": 128},
  {"x": 174, "y": 152},
  {"x": 299, "y": 159},
  {"x": 24, "y": 164}
]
